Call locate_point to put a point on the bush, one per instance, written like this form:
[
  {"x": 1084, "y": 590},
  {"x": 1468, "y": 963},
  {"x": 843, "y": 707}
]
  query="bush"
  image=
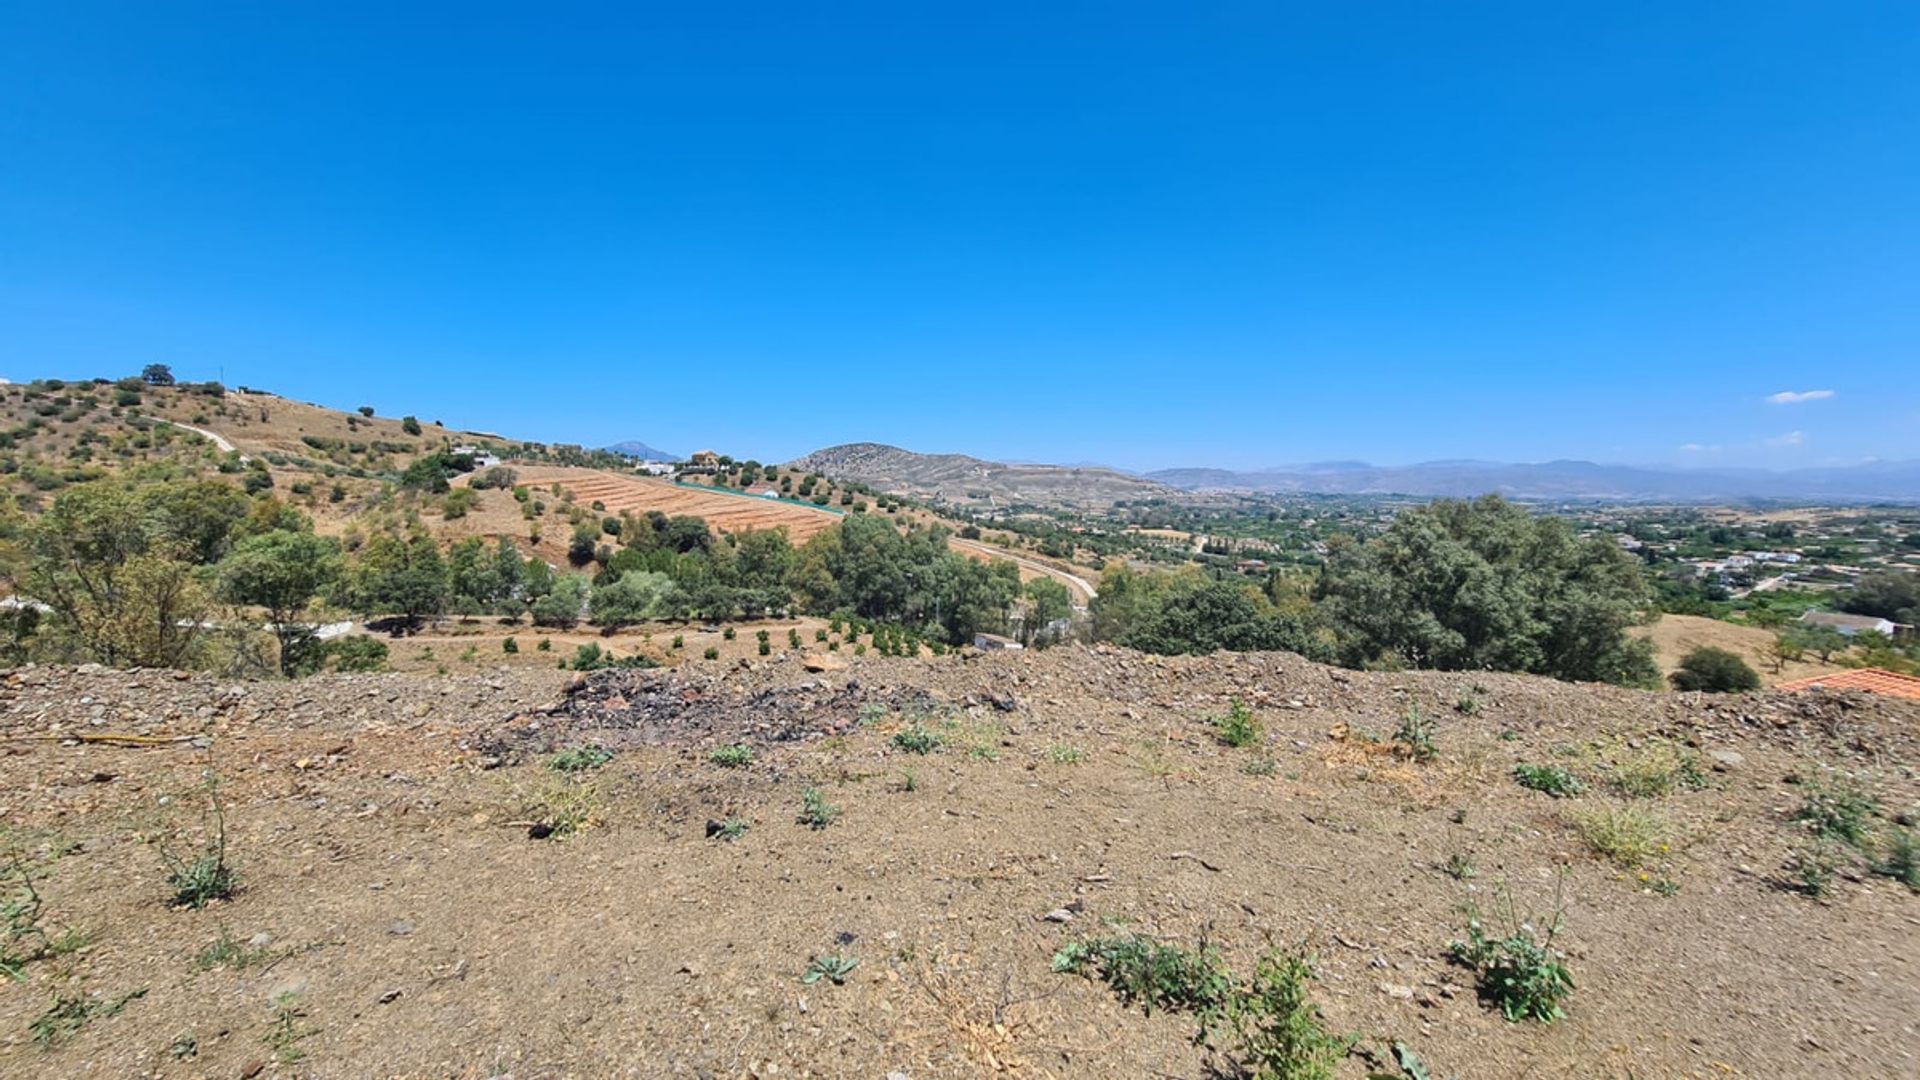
[
  {"x": 712, "y": 653},
  {"x": 356, "y": 652},
  {"x": 410, "y": 425},
  {"x": 1837, "y": 811},
  {"x": 1521, "y": 973},
  {"x": 1624, "y": 835},
  {"x": 915, "y": 739},
  {"x": 1277, "y": 1034},
  {"x": 1715, "y": 671}
]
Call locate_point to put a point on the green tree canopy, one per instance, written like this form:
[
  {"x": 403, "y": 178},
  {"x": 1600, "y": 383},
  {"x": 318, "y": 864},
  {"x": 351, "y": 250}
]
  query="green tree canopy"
[{"x": 1461, "y": 585}]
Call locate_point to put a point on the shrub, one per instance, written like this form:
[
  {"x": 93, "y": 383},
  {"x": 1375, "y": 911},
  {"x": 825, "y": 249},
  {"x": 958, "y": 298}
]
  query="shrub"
[
  {"x": 1149, "y": 973},
  {"x": 410, "y": 425},
  {"x": 1237, "y": 728},
  {"x": 510, "y": 646},
  {"x": 203, "y": 876},
  {"x": 1658, "y": 770},
  {"x": 1277, "y": 1034},
  {"x": 1551, "y": 779},
  {"x": 1715, "y": 671},
  {"x": 712, "y": 653},
  {"x": 1837, "y": 811},
  {"x": 1521, "y": 972}
]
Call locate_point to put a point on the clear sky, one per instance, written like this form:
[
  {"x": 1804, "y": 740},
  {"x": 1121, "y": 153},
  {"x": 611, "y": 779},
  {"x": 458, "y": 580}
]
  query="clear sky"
[{"x": 1141, "y": 234}]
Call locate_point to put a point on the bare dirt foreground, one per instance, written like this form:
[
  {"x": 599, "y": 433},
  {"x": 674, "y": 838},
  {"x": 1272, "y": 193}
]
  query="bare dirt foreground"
[{"x": 396, "y": 918}]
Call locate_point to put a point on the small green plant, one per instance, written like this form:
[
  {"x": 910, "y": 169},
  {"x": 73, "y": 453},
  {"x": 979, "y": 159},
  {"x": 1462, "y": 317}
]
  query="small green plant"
[
  {"x": 580, "y": 759},
  {"x": 202, "y": 876},
  {"x": 26, "y": 940},
  {"x": 1552, "y": 779},
  {"x": 1274, "y": 1031},
  {"x": 727, "y": 633},
  {"x": 509, "y": 646},
  {"x": 1902, "y": 860},
  {"x": 1520, "y": 971},
  {"x": 916, "y": 739},
  {"x": 70, "y": 1012},
  {"x": 1837, "y": 811},
  {"x": 1459, "y": 866},
  {"x": 872, "y": 714},
  {"x": 909, "y": 781},
  {"x": 1625, "y": 835},
  {"x": 1237, "y": 728},
  {"x": 732, "y": 828},
  {"x": 1150, "y": 973},
  {"x": 1812, "y": 869},
  {"x": 227, "y": 951},
  {"x": 833, "y": 967},
  {"x": 285, "y": 1031},
  {"x": 737, "y": 756},
  {"x": 679, "y": 641},
  {"x": 546, "y": 645},
  {"x": 819, "y": 635},
  {"x": 1415, "y": 736},
  {"x": 1468, "y": 704},
  {"x": 815, "y": 811},
  {"x": 712, "y": 653},
  {"x": 1062, "y": 754},
  {"x": 1260, "y": 766},
  {"x": 561, "y": 807}
]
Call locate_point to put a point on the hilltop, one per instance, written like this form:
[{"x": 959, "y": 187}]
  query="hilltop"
[
  {"x": 960, "y": 480},
  {"x": 396, "y": 914}
]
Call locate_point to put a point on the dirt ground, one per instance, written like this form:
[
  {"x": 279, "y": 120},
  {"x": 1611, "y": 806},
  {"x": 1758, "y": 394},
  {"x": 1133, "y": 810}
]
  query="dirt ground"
[
  {"x": 382, "y": 827},
  {"x": 1676, "y": 635}
]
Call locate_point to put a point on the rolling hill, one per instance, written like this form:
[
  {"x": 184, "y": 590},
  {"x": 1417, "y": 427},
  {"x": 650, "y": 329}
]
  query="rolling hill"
[{"x": 960, "y": 480}]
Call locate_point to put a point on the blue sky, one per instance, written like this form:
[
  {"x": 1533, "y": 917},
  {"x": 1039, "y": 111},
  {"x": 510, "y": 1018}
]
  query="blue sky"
[{"x": 1148, "y": 235}]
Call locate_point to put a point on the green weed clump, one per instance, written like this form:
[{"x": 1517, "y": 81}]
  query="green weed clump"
[
  {"x": 579, "y": 759},
  {"x": 1272, "y": 1030},
  {"x": 1552, "y": 779},
  {"x": 915, "y": 738},
  {"x": 1902, "y": 860},
  {"x": 1519, "y": 971},
  {"x": 815, "y": 811},
  {"x": 1625, "y": 835},
  {"x": 1237, "y": 728},
  {"x": 1415, "y": 736},
  {"x": 737, "y": 756},
  {"x": 1837, "y": 811},
  {"x": 1149, "y": 973}
]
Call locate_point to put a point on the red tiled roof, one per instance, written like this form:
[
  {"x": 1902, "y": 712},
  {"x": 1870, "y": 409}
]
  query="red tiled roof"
[{"x": 1872, "y": 680}]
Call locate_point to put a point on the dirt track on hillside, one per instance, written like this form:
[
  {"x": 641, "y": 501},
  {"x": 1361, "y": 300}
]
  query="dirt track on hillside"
[{"x": 381, "y": 827}]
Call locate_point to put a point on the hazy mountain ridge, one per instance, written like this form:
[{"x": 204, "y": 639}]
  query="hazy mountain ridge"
[
  {"x": 636, "y": 448},
  {"x": 1874, "y": 481},
  {"x": 958, "y": 479}
]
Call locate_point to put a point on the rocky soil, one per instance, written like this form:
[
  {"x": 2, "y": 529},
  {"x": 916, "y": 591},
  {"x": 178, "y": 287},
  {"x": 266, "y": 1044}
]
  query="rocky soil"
[{"x": 397, "y": 917}]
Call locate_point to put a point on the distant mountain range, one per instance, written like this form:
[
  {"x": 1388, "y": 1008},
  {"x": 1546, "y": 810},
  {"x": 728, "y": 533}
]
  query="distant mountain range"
[
  {"x": 636, "y": 448},
  {"x": 1897, "y": 481},
  {"x": 958, "y": 479}
]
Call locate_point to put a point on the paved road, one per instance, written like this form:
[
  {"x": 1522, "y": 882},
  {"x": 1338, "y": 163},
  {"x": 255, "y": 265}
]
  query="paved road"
[{"x": 1075, "y": 582}]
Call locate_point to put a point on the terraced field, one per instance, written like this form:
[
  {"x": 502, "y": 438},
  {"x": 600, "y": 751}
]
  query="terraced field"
[{"x": 728, "y": 513}]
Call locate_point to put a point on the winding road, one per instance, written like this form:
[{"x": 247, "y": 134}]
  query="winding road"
[{"x": 1084, "y": 590}]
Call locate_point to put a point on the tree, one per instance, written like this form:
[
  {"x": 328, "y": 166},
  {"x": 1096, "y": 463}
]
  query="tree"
[
  {"x": 410, "y": 425},
  {"x": 580, "y": 550},
  {"x": 1048, "y": 601},
  {"x": 122, "y": 589},
  {"x": 1890, "y": 595},
  {"x": 282, "y": 572},
  {"x": 157, "y": 375},
  {"x": 634, "y": 597},
  {"x": 1485, "y": 585},
  {"x": 366, "y": 410},
  {"x": 1715, "y": 671},
  {"x": 404, "y": 577},
  {"x": 1785, "y": 647},
  {"x": 562, "y": 605}
]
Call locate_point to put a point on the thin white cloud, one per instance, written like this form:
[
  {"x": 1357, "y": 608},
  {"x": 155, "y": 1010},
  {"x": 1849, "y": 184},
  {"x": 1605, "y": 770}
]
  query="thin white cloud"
[
  {"x": 1693, "y": 448},
  {"x": 1798, "y": 397},
  {"x": 1791, "y": 438}
]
